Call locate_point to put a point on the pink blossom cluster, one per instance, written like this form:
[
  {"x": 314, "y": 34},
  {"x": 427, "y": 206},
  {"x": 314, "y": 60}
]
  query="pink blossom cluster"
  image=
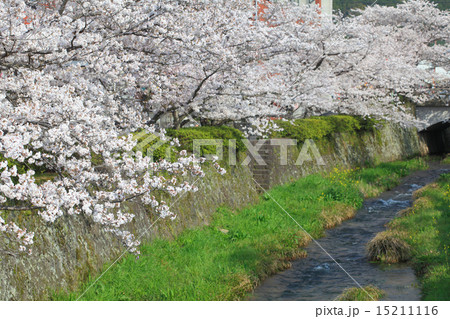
[
  {"x": 19, "y": 237},
  {"x": 78, "y": 78}
]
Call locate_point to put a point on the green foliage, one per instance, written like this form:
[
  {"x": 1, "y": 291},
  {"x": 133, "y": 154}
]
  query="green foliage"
[
  {"x": 303, "y": 129},
  {"x": 317, "y": 128},
  {"x": 386, "y": 175},
  {"x": 426, "y": 228},
  {"x": 186, "y": 136},
  {"x": 96, "y": 159},
  {"x": 150, "y": 144},
  {"x": 346, "y": 5},
  {"x": 369, "y": 124},
  {"x": 22, "y": 168},
  {"x": 227, "y": 258},
  {"x": 344, "y": 194},
  {"x": 343, "y": 123}
]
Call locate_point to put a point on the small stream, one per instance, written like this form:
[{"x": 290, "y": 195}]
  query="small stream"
[{"x": 317, "y": 277}]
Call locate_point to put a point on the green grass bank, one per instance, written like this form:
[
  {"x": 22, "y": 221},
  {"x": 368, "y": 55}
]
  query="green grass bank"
[
  {"x": 226, "y": 259},
  {"x": 422, "y": 236}
]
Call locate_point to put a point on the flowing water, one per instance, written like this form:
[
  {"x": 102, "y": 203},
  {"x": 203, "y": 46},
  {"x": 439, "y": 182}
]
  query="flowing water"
[{"x": 317, "y": 277}]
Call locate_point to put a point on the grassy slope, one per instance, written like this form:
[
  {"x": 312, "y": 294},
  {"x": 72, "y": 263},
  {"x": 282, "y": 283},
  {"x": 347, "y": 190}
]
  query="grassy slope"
[
  {"x": 226, "y": 259},
  {"x": 426, "y": 228}
]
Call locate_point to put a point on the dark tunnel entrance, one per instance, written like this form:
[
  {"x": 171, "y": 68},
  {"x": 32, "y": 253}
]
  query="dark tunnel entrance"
[{"x": 437, "y": 137}]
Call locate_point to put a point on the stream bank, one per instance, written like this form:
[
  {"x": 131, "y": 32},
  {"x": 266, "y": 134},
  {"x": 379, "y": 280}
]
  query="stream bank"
[
  {"x": 317, "y": 277},
  {"x": 423, "y": 232},
  {"x": 228, "y": 258}
]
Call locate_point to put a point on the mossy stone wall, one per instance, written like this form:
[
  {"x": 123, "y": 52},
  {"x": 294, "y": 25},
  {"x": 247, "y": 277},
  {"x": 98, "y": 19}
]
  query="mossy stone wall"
[{"x": 346, "y": 150}]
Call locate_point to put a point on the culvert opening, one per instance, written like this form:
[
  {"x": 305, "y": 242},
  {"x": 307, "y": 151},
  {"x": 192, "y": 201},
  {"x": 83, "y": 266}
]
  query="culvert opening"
[{"x": 437, "y": 137}]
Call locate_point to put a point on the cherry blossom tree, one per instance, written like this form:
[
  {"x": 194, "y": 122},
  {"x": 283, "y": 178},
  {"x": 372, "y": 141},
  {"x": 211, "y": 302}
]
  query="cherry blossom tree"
[
  {"x": 226, "y": 66},
  {"x": 396, "y": 41},
  {"x": 366, "y": 64},
  {"x": 79, "y": 77},
  {"x": 68, "y": 75}
]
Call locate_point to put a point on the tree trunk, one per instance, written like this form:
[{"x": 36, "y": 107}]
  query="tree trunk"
[{"x": 176, "y": 120}]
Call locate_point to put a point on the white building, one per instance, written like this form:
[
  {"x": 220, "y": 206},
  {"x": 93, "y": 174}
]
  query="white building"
[{"x": 326, "y": 5}]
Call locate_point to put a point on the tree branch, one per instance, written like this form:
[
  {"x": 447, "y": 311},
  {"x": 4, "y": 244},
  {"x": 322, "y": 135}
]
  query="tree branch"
[{"x": 62, "y": 7}]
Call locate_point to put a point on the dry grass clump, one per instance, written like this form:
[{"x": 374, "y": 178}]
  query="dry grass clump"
[
  {"x": 369, "y": 190},
  {"x": 302, "y": 239},
  {"x": 388, "y": 247},
  {"x": 245, "y": 285},
  {"x": 405, "y": 212},
  {"x": 359, "y": 294},
  {"x": 242, "y": 284},
  {"x": 335, "y": 215}
]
